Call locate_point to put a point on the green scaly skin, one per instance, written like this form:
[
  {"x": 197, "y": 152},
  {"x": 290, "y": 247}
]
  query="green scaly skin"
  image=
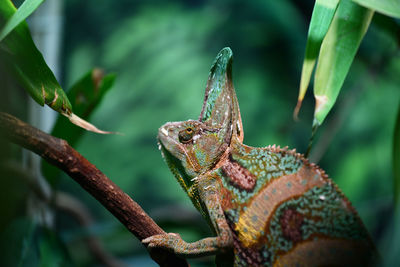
[{"x": 267, "y": 206}]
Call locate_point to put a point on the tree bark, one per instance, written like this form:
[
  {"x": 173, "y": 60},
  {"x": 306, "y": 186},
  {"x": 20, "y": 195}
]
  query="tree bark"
[{"x": 59, "y": 153}]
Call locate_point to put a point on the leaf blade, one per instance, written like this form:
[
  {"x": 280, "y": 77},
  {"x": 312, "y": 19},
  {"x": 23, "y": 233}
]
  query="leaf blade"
[
  {"x": 21, "y": 58},
  {"x": 321, "y": 19},
  {"x": 26, "y": 9},
  {"x": 337, "y": 52},
  {"x": 25, "y": 62},
  {"x": 387, "y": 7}
]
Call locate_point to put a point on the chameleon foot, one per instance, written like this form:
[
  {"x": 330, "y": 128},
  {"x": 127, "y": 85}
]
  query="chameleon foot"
[{"x": 171, "y": 242}]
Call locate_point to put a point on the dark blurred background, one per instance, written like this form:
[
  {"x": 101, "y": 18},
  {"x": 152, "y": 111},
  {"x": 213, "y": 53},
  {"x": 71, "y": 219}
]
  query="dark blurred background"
[{"x": 161, "y": 52}]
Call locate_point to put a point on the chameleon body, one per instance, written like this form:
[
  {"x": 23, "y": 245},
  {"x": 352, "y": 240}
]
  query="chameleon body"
[{"x": 267, "y": 206}]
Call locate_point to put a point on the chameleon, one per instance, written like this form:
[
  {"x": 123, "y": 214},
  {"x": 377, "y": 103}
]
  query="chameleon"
[{"x": 266, "y": 206}]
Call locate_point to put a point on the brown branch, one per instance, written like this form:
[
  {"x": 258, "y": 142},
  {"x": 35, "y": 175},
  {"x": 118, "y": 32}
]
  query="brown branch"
[{"x": 57, "y": 152}]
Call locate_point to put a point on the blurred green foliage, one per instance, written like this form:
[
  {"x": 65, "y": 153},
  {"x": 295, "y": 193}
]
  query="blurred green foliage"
[{"x": 162, "y": 51}]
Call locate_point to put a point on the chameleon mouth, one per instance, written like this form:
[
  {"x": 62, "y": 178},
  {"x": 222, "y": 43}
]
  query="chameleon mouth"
[
  {"x": 167, "y": 156},
  {"x": 174, "y": 165}
]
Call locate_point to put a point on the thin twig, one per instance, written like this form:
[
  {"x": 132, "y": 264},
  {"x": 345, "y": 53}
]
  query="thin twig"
[{"x": 57, "y": 152}]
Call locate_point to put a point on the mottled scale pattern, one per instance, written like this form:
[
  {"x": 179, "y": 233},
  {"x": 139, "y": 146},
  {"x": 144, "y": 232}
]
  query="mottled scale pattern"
[
  {"x": 291, "y": 204},
  {"x": 267, "y": 206}
]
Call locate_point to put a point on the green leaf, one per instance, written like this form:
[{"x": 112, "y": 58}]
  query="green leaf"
[
  {"x": 337, "y": 52},
  {"x": 396, "y": 159},
  {"x": 27, "y": 8},
  {"x": 26, "y": 63},
  {"x": 387, "y": 7},
  {"x": 321, "y": 19},
  {"x": 86, "y": 94}
]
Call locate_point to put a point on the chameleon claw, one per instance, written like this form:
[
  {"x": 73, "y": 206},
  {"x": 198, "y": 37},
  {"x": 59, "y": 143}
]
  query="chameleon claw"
[
  {"x": 147, "y": 240},
  {"x": 154, "y": 241},
  {"x": 165, "y": 241}
]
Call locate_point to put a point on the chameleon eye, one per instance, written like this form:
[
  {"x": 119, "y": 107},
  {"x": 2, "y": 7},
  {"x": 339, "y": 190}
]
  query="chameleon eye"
[
  {"x": 189, "y": 130},
  {"x": 185, "y": 136}
]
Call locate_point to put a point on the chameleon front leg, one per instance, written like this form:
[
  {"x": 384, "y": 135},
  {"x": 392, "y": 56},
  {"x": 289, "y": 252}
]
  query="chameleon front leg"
[{"x": 223, "y": 241}]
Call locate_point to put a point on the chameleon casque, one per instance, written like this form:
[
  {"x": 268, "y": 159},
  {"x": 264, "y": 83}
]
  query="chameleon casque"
[{"x": 267, "y": 206}]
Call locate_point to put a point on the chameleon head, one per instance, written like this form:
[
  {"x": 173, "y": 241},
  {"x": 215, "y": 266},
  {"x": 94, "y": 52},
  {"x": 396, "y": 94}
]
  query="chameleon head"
[{"x": 191, "y": 148}]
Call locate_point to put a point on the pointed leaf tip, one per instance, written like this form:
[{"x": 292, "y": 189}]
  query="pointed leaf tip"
[
  {"x": 296, "y": 110},
  {"x": 85, "y": 125},
  {"x": 337, "y": 52},
  {"x": 323, "y": 13}
]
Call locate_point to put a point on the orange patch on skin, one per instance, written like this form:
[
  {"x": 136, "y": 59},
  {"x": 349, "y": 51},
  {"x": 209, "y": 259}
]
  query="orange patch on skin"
[
  {"x": 274, "y": 193},
  {"x": 191, "y": 161},
  {"x": 226, "y": 201}
]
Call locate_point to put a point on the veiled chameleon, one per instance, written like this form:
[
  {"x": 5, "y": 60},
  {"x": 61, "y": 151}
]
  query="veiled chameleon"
[{"x": 267, "y": 206}]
